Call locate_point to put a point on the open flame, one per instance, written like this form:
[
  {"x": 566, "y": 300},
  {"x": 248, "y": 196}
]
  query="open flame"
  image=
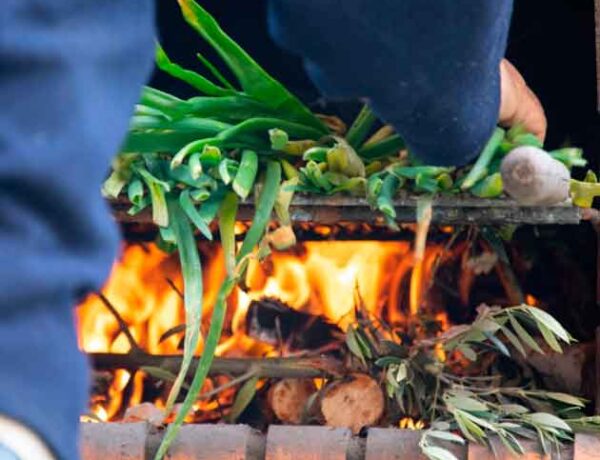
[{"x": 314, "y": 277}]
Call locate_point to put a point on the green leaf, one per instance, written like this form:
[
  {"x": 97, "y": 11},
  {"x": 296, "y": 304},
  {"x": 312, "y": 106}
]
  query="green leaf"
[
  {"x": 212, "y": 339},
  {"x": 388, "y": 360},
  {"x": 470, "y": 430},
  {"x": 353, "y": 344},
  {"x": 209, "y": 209},
  {"x": 160, "y": 213},
  {"x": 513, "y": 340},
  {"x": 246, "y": 174},
  {"x": 497, "y": 343},
  {"x": 264, "y": 209},
  {"x": 570, "y": 156},
  {"x": 228, "y": 169},
  {"x": 360, "y": 127},
  {"x": 489, "y": 187},
  {"x": 467, "y": 352},
  {"x": 566, "y": 398},
  {"x": 438, "y": 453},
  {"x": 202, "y": 84},
  {"x": 523, "y": 334},
  {"x": 466, "y": 404},
  {"x": 111, "y": 188},
  {"x": 214, "y": 71},
  {"x": 549, "y": 337},
  {"x": 364, "y": 343},
  {"x": 548, "y": 320},
  {"x": 227, "y": 215},
  {"x": 513, "y": 409},
  {"x": 549, "y": 420},
  {"x": 511, "y": 443},
  {"x": 480, "y": 168},
  {"x": 189, "y": 208},
  {"x": 279, "y": 138},
  {"x": 389, "y": 146},
  {"x": 135, "y": 192},
  {"x": 192, "y": 277},
  {"x": 244, "y": 396},
  {"x": 445, "y": 436},
  {"x": 254, "y": 80}
]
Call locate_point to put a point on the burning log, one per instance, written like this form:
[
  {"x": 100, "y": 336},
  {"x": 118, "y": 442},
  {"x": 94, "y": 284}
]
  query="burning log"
[
  {"x": 273, "y": 322},
  {"x": 354, "y": 402},
  {"x": 305, "y": 367},
  {"x": 532, "y": 177},
  {"x": 288, "y": 399}
]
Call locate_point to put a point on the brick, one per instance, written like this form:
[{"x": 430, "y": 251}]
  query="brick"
[
  {"x": 307, "y": 443},
  {"x": 532, "y": 452},
  {"x": 587, "y": 447},
  {"x": 395, "y": 444},
  {"x": 114, "y": 441},
  {"x": 217, "y": 442}
]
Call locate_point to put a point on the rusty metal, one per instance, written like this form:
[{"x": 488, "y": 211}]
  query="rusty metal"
[{"x": 446, "y": 210}]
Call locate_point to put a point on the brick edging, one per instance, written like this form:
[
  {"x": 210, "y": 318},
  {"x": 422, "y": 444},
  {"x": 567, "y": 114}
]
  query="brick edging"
[{"x": 139, "y": 441}]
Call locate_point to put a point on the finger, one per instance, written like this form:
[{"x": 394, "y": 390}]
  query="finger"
[{"x": 519, "y": 105}]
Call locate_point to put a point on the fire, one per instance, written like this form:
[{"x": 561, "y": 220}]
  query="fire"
[
  {"x": 408, "y": 423},
  {"x": 324, "y": 278}
]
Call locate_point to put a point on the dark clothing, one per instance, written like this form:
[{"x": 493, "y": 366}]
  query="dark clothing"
[
  {"x": 70, "y": 73},
  {"x": 429, "y": 67}
]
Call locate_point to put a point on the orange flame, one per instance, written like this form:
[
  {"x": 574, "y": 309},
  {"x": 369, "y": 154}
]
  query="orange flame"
[{"x": 314, "y": 277}]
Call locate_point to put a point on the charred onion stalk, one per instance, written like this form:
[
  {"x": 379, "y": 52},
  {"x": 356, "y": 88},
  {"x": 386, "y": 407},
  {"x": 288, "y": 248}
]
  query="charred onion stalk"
[{"x": 194, "y": 160}]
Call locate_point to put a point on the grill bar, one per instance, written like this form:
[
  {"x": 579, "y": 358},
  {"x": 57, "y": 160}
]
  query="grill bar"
[{"x": 446, "y": 210}]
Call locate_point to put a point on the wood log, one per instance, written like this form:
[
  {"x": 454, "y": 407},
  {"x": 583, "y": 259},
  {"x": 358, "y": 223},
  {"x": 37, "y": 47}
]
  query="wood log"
[
  {"x": 354, "y": 402},
  {"x": 288, "y": 399},
  {"x": 569, "y": 372},
  {"x": 306, "y": 367},
  {"x": 533, "y": 178}
]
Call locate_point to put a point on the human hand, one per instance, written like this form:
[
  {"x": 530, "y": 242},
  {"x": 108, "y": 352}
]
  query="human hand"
[{"x": 518, "y": 104}]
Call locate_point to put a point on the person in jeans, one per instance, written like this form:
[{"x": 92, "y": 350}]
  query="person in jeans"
[{"x": 70, "y": 74}]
